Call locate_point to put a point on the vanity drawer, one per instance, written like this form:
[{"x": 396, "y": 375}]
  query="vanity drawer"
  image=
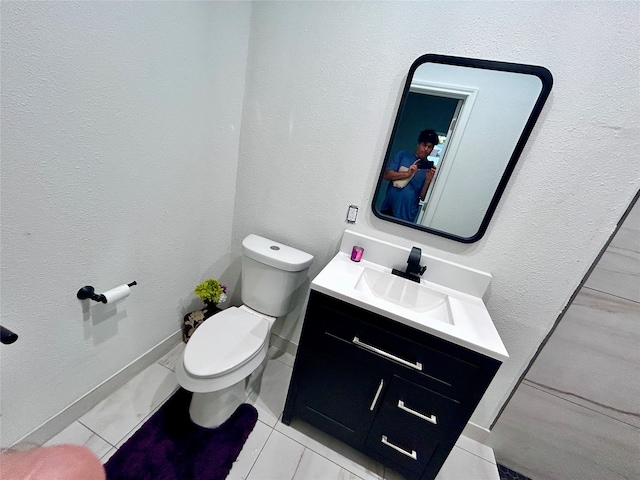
[
  {"x": 411, "y": 422},
  {"x": 412, "y": 454},
  {"x": 442, "y": 372},
  {"x": 408, "y": 449},
  {"x": 408, "y": 406}
]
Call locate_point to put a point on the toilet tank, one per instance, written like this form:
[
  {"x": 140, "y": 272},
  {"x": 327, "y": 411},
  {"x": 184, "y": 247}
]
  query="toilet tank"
[{"x": 271, "y": 274}]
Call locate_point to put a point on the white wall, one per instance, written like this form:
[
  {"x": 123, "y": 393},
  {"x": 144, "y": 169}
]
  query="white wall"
[
  {"x": 120, "y": 130},
  {"x": 323, "y": 84}
]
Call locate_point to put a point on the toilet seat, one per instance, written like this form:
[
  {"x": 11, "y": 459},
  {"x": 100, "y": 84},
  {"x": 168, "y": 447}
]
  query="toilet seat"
[{"x": 225, "y": 342}]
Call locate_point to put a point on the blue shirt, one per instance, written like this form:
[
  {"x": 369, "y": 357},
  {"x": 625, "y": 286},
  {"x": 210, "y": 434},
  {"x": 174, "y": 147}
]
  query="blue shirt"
[{"x": 404, "y": 202}]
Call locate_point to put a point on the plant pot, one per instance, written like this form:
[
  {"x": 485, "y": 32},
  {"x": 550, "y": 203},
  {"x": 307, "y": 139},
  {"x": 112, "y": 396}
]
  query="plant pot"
[{"x": 193, "y": 320}]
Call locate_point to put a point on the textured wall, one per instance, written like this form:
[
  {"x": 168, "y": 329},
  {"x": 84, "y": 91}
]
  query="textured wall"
[
  {"x": 323, "y": 84},
  {"x": 120, "y": 129}
]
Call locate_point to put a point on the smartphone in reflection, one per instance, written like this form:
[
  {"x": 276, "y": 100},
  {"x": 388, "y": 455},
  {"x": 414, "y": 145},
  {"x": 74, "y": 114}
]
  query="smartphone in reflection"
[{"x": 425, "y": 164}]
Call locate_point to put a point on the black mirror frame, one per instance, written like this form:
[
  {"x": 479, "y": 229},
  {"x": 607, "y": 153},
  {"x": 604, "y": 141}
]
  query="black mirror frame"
[{"x": 547, "y": 82}]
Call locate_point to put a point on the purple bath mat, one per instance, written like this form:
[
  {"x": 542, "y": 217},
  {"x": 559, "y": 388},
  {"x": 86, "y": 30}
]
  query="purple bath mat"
[{"x": 169, "y": 446}]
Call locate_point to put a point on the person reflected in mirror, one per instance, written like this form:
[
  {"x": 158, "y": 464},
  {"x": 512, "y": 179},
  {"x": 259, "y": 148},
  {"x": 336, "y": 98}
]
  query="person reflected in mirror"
[{"x": 409, "y": 175}]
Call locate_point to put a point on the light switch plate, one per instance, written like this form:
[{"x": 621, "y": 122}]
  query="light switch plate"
[{"x": 352, "y": 214}]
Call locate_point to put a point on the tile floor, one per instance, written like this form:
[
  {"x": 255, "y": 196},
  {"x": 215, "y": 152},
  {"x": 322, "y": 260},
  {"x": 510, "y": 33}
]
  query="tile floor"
[{"x": 273, "y": 451}]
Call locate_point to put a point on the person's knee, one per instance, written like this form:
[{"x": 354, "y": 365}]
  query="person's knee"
[
  {"x": 76, "y": 462},
  {"x": 59, "y": 462}
]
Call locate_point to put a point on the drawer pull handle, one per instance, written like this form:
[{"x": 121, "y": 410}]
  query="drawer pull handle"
[
  {"x": 411, "y": 454},
  {"x": 375, "y": 399},
  {"x": 431, "y": 419},
  {"x": 417, "y": 365}
]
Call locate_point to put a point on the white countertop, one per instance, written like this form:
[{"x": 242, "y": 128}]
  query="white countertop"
[{"x": 472, "y": 326}]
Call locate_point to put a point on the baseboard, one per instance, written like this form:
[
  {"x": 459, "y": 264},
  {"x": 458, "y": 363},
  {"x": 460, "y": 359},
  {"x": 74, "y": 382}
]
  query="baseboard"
[
  {"x": 284, "y": 345},
  {"x": 476, "y": 432},
  {"x": 70, "y": 414}
]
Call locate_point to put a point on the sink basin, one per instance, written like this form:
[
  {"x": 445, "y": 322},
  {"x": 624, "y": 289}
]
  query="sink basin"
[{"x": 405, "y": 293}]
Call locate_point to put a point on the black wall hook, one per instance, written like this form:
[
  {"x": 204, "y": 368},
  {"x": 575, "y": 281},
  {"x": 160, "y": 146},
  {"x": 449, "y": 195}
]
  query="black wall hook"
[
  {"x": 7, "y": 336},
  {"x": 89, "y": 292}
]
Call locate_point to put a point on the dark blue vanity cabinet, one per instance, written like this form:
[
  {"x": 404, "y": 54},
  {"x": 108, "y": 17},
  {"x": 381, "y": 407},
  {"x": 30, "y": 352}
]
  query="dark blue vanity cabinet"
[{"x": 400, "y": 395}]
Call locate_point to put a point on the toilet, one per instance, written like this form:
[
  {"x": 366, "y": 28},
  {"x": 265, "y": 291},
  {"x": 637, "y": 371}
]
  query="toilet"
[{"x": 230, "y": 345}]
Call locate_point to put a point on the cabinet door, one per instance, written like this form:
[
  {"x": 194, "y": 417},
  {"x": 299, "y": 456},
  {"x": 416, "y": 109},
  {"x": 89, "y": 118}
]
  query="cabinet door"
[{"x": 339, "y": 389}]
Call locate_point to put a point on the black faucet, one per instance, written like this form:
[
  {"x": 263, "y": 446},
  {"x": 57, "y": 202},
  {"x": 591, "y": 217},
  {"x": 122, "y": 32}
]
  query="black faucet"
[{"x": 414, "y": 269}]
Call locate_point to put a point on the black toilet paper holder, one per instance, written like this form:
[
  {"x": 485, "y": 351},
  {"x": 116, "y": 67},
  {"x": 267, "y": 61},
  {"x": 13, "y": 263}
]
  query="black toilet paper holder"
[{"x": 89, "y": 292}]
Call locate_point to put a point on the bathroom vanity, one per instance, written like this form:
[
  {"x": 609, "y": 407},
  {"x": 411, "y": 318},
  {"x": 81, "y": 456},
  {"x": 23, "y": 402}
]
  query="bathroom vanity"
[{"x": 383, "y": 363}]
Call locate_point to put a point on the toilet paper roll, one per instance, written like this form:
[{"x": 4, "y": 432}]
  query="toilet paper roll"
[{"x": 117, "y": 293}]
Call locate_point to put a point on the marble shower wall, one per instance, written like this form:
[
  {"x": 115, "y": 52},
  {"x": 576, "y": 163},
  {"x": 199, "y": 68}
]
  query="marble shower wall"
[{"x": 577, "y": 412}]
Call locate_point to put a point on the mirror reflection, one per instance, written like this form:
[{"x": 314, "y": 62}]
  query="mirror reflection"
[{"x": 461, "y": 126}]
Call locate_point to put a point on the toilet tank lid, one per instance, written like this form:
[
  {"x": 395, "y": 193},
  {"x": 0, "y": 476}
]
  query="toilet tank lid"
[{"x": 275, "y": 254}]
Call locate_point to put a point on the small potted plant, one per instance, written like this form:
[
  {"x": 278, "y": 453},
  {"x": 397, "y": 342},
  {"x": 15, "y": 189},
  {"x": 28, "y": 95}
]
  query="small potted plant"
[{"x": 211, "y": 292}]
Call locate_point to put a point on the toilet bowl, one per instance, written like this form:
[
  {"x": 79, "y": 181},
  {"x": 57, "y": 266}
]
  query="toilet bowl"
[
  {"x": 226, "y": 349},
  {"x": 221, "y": 354}
]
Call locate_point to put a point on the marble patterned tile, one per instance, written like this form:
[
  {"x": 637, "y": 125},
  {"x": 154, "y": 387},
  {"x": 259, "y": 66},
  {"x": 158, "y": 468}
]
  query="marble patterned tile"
[
  {"x": 169, "y": 359},
  {"x": 250, "y": 452},
  {"x": 334, "y": 450},
  {"x": 592, "y": 357},
  {"x": 545, "y": 437},
  {"x": 347, "y": 475},
  {"x": 137, "y": 427},
  {"x": 627, "y": 237},
  {"x": 315, "y": 467},
  {"x": 284, "y": 357},
  {"x": 78, "y": 434},
  {"x": 105, "y": 458},
  {"x": 283, "y": 344},
  {"x": 618, "y": 273},
  {"x": 269, "y": 385},
  {"x": 114, "y": 417},
  {"x": 618, "y": 270},
  {"x": 460, "y": 465},
  {"x": 476, "y": 448},
  {"x": 279, "y": 459}
]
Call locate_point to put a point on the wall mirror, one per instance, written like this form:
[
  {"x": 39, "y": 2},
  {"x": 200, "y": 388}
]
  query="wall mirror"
[{"x": 477, "y": 115}]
